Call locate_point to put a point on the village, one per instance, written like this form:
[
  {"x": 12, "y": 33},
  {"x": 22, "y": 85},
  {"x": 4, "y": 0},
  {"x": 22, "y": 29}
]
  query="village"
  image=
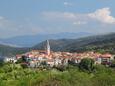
[{"x": 35, "y": 58}]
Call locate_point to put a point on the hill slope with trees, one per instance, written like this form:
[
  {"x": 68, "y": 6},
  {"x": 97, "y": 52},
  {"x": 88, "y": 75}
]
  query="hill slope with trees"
[
  {"x": 9, "y": 51},
  {"x": 101, "y": 43},
  {"x": 98, "y": 43}
]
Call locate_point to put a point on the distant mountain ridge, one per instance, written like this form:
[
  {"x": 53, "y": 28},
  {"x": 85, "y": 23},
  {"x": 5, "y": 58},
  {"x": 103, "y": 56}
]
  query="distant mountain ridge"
[
  {"x": 6, "y": 50},
  {"x": 29, "y": 41},
  {"x": 99, "y": 43}
]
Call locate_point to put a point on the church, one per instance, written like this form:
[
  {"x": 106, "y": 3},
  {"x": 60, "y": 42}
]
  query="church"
[{"x": 37, "y": 57}]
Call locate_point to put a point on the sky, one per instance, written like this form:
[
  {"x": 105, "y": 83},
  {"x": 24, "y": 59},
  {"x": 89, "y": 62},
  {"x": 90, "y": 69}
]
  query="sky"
[{"x": 31, "y": 17}]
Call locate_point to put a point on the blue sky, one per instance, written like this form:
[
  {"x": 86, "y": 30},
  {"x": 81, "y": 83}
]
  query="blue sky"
[{"x": 31, "y": 17}]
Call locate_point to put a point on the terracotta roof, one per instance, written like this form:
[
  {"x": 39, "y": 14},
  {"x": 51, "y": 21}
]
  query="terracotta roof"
[{"x": 106, "y": 55}]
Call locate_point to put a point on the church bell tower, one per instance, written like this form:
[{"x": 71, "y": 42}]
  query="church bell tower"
[{"x": 48, "y": 47}]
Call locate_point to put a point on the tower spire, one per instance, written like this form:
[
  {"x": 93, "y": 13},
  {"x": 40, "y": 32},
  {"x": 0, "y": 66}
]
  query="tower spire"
[{"x": 48, "y": 47}]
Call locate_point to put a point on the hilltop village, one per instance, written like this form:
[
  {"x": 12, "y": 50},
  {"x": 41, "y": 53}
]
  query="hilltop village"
[{"x": 36, "y": 58}]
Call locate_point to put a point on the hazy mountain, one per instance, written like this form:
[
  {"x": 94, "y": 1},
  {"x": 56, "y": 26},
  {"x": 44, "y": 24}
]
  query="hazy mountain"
[
  {"x": 98, "y": 43},
  {"x": 101, "y": 43},
  {"x": 28, "y": 41},
  {"x": 56, "y": 45},
  {"x": 6, "y": 50}
]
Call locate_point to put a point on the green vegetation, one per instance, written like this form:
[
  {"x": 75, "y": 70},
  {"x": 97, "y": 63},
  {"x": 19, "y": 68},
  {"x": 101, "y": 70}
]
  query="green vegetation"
[
  {"x": 15, "y": 75},
  {"x": 87, "y": 64},
  {"x": 11, "y": 51}
]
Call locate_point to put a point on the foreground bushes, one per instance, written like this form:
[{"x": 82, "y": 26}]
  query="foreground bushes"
[
  {"x": 72, "y": 76},
  {"x": 87, "y": 64}
]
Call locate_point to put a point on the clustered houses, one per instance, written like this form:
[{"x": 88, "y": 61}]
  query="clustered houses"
[
  {"x": 10, "y": 59},
  {"x": 36, "y": 57},
  {"x": 97, "y": 57}
]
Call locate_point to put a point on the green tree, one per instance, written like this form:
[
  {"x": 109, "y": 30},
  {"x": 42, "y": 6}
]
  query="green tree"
[
  {"x": 87, "y": 64},
  {"x": 21, "y": 60},
  {"x": 113, "y": 63}
]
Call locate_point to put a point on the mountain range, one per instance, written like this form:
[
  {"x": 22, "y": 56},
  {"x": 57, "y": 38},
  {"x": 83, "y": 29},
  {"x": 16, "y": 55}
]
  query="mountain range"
[
  {"x": 31, "y": 40},
  {"x": 99, "y": 43}
]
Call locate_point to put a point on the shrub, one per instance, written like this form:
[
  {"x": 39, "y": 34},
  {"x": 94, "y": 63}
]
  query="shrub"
[{"x": 87, "y": 64}]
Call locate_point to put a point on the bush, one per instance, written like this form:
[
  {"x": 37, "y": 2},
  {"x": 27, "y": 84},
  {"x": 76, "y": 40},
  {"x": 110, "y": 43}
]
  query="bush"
[
  {"x": 61, "y": 68},
  {"x": 87, "y": 64},
  {"x": 24, "y": 65},
  {"x": 113, "y": 63}
]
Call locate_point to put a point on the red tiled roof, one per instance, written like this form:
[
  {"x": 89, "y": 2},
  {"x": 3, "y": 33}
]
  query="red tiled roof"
[{"x": 106, "y": 55}]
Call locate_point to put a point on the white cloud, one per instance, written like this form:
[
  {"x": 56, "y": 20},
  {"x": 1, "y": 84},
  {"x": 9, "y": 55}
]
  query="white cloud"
[
  {"x": 100, "y": 15},
  {"x": 5, "y": 23},
  {"x": 73, "y": 18},
  {"x": 9, "y": 28},
  {"x": 68, "y": 4},
  {"x": 2, "y": 21},
  {"x": 79, "y": 22},
  {"x": 103, "y": 15},
  {"x": 59, "y": 15},
  {"x": 1, "y": 17}
]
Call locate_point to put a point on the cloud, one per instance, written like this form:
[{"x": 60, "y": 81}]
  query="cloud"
[
  {"x": 103, "y": 15},
  {"x": 100, "y": 15},
  {"x": 65, "y": 17},
  {"x": 29, "y": 28},
  {"x": 3, "y": 22},
  {"x": 6, "y": 24},
  {"x": 9, "y": 28},
  {"x": 79, "y": 22},
  {"x": 67, "y": 4},
  {"x": 1, "y": 17},
  {"x": 58, "y": 15}
]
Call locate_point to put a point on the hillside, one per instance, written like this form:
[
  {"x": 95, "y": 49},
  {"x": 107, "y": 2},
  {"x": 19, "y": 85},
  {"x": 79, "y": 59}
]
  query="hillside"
[
  {"x": 31, "y": 40},
  {"x": 56, "y": 45},
  {"x": 9, "y": 51},
  {"x": 101, "y": 43}
]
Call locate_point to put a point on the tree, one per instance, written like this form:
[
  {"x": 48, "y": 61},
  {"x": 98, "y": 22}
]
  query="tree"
[
  {"x": 22, "y": 60},
  {"x": 113, "y": 63},
  {"x": 87, "y": 64}
]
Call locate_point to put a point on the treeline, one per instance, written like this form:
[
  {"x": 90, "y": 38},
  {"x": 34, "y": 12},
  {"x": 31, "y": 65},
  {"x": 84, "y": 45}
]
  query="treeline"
[{"x": 85, "y": 74}]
